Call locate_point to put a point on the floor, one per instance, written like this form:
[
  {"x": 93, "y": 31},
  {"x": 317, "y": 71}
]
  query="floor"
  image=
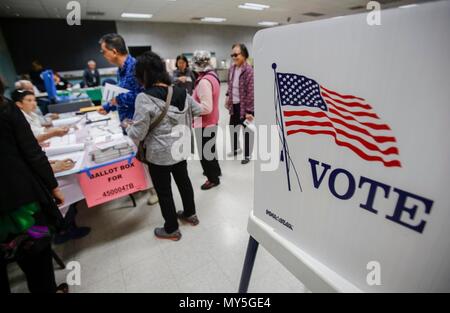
[{"x": 122, "y": 254}]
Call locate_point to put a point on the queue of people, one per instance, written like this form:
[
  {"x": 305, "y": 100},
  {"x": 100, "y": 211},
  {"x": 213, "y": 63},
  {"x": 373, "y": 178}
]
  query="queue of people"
[{"x": 155, "y": 105}]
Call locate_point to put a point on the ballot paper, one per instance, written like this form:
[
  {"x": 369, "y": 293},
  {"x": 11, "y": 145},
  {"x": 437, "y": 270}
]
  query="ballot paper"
[
  {"x": 66, "y": 121},
  {"x": 76, "y": 157},
  {"x": 111, "y": 91},
  {"x": 65, "y": 140}
]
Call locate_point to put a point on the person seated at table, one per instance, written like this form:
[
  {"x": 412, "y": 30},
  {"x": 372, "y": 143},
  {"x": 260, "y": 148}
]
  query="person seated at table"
[
  {"x": 69, "y": 229},
  {"x": 26, "y": 101},
  {"x": 91, "y": 76},
  {"x": 24, "y": 84},
  {"x": 42, "y": 102},
  {"x": 61, "y": 83}
]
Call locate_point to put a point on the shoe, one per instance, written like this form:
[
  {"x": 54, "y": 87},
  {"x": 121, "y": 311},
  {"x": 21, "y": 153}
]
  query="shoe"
[
  {"x": 245, "y": 161},
  {"x": 161, "y": 233},
  {"x": 153, "y": 198},
  {"x": 79, "y": 232},
  {"x": 72, "y": 234},
  {"x": 63, "y": 288},
  {"x": 234, "y": 153},
  {"x": 61, "y": 238},
  {"x": 208, "y": 185},
  {"x": 193, "y": 220}
]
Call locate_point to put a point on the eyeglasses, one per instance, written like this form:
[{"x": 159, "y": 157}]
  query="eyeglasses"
[{"x": 235, "y": 55}]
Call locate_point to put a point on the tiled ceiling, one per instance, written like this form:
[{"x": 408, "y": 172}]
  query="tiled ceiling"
[{"x": 185, "y": 11}]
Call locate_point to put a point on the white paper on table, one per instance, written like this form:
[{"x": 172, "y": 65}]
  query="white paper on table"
[
  {"x": 109, "y": 140},
  {"x": 68, "y": 139},
  {"x": 66, "y": 121},
  {"x": 76, "y": 157},
  {"x": 111, "y": 91},
  {"x": 57, "y": 150}
]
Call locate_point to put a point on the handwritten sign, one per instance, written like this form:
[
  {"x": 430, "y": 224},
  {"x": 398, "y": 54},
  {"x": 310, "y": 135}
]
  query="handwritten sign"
[{"x": 113, "y": 182}]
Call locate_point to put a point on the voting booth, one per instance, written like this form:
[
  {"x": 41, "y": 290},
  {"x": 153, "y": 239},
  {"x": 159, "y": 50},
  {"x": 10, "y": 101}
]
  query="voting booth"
[{"x": 360, "y": 200}]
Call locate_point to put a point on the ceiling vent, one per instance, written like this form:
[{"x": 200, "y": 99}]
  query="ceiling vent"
[
  {"x": 95, "y": 13},
  {"x": 358, "y": 7},
  {"x": 313, "y": 14}
]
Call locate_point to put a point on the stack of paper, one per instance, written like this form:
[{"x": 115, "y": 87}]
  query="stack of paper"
[{"x": 104, "y": 152}]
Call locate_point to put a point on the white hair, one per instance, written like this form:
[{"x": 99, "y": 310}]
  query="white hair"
[{"x": 20, "y": 84}]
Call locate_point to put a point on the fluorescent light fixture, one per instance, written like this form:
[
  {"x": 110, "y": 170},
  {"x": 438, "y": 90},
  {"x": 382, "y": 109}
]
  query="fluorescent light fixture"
[
  {"x": 407, "y": 6},
  {"x": 136, "y": 15},
  {"x": 257, "y": 5},
  {"x": 266, "y": 23},
  {"x": 213, "y": 19},
  {"x": 254, "y": 6}
]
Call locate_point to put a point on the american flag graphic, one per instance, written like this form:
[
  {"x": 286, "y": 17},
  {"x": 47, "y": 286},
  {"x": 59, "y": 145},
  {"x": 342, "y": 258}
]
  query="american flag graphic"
[{"x": 309, "y": 108}]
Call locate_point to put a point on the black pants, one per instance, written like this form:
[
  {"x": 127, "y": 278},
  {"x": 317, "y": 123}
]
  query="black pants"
[
  {"x": 162, "y": 182},
  {"x": 70, "y": 218},
  {"x": 236, "y": 122},
  {"x": 37, "y": 266},
  {"x": 206, "y": 143}
]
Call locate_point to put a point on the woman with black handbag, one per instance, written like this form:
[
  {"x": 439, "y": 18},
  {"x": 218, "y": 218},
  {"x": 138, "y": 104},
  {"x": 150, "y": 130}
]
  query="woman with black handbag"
[
  {"x": 28, "y": 208},
  {"x": 161, "y": 119}
]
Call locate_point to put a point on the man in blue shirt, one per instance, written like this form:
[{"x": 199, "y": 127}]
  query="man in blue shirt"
[{"x": 115, "y": 51}]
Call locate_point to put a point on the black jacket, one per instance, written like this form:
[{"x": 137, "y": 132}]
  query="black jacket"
[
  {"x": 91, "y": 80},
  {"x": 26, "y": 175}
]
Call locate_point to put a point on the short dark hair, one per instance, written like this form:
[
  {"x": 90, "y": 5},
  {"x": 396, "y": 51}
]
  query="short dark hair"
[
  {"x": 114, "y": 41},
  {"x": 243, "y": 48},
  {"x": 18, "y": 95},
  {"x": 182, "y": 57},
  {"x": 151, "y": 69}
]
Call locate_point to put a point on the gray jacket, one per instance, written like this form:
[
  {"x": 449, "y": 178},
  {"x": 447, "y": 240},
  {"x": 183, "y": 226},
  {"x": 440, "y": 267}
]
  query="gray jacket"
[{"x": 160, "y": 141}]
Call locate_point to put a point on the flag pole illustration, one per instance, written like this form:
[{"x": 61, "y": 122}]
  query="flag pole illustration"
[{"x": 285, "y": 155}]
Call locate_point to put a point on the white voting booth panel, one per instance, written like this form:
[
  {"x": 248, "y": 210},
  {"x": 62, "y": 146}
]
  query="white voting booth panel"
[{"x": 370, "y": 195}]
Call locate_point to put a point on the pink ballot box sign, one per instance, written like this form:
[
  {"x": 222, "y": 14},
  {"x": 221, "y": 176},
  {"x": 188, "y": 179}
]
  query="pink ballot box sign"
[{"x": 113, "y": 181}]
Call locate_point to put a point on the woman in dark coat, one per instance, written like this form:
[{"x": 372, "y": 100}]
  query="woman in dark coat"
[{"x": 28, "y": 202}]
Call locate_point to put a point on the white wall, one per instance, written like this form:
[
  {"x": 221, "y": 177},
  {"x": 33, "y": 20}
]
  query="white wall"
[{"x": 170, "y": 39}]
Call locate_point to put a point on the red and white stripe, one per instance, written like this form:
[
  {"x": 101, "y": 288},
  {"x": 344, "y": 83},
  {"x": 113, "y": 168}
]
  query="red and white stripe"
[{"x": 352, "y": 123}]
